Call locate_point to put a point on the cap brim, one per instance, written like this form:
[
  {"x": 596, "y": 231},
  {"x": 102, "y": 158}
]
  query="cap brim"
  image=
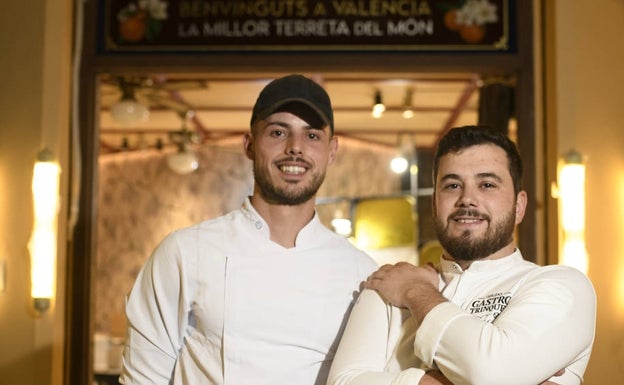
[{"x": 283, "y": 105}]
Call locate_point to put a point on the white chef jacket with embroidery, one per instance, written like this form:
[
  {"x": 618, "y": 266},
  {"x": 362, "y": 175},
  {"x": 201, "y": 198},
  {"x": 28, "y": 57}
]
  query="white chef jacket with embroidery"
[
  {"x": 220, "y": 303},
  {"x": 508, "y": 321}
]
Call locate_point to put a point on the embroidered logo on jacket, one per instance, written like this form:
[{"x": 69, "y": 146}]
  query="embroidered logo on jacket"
[{"x": 488, "y": 308}]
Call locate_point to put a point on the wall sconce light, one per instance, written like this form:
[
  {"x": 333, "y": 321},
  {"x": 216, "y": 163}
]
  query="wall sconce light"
[
  {"x": 571, "y": 193},
  {"x": 408, "y": 111},
  {"x": 128, "y": 111},
  {"x": 42, "y": 245},
  {"x": 378, "y": 106}
]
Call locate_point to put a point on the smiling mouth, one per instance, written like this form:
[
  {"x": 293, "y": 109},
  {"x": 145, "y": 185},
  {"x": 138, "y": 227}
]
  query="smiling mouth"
[
  {"x": 468, "y": 217},
  {"x": 292, "y": 170},
  {"x": 468, "y": 220}
]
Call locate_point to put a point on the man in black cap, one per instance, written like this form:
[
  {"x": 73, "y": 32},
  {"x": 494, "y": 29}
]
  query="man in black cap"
[{"x": 260, "y": 295}]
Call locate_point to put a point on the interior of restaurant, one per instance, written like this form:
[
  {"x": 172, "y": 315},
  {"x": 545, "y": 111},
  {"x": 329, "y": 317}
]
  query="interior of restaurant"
[
  {"x": 169, "y": 138},
  {"x": 170, "y": 156},
  {"x": 566, "y": 94}
]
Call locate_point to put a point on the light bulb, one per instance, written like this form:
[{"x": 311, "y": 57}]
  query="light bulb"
[
  {"x": 378, "y": 107},
  {"x": 399, "y": 164},
  {"x": 408, "y": 113},
  {"x": 342, "y": 226},
  {"x": 129, "y": 112},
  {"x": 183, "y": 162}
]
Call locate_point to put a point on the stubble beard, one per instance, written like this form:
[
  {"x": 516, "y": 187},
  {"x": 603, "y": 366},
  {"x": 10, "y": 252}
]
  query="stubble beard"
[
  {"x": 467, "y": 247},
  {"x": 286, "y": 196}
]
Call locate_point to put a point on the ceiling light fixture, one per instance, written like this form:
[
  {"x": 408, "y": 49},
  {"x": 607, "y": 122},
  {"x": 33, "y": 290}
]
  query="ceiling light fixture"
[
  {"x": 378, "y": 106},
  {"x": 184, "y": 161},
  {"x": 408, "y": 112},
  {"x": 128, "y": 111},
  {"x": 404, "y": 155}
]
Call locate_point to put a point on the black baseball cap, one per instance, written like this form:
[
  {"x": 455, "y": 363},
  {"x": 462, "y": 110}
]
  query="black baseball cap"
[{"x": 296, "y": 91}]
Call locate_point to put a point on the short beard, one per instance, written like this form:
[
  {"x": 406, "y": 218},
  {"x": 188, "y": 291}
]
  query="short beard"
[
  {"x": 467, "y": 248},
  {"x": 276, "y": 195}
]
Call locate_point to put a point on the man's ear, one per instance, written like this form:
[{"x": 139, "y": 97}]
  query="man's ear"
[
  {"x": 248, "y": 146},
  {"x": 521, "y": 204}
]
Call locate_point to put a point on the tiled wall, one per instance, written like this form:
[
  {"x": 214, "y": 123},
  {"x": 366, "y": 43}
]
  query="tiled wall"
[{"x": 141, "y": 200}]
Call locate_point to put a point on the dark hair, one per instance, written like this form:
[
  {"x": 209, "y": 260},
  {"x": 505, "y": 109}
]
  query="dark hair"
[{"x": 459, "y": 138}]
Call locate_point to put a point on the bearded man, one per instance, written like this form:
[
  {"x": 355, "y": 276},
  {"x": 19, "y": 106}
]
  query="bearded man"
[{"x": 483, "y": 315}]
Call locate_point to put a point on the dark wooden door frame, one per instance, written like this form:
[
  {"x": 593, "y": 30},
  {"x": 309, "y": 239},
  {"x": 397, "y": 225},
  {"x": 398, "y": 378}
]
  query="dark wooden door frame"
[{"x": 79, "y": 327}]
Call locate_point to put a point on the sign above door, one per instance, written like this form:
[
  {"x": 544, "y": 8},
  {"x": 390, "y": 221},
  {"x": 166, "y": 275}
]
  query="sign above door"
[{"x": 304, "y": 25}]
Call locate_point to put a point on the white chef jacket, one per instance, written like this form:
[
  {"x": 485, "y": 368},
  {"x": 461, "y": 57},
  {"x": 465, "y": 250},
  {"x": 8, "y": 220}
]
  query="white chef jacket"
[
  {"x": 220, "y": 303},
  {"x": 508, "y": 321}
]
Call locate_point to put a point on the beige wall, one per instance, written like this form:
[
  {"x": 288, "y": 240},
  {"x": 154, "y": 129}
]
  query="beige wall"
[
  {"x": 585, "y": 108},
  {"x": 588, "y": 112},
  {"x": 35, "y": 38}
]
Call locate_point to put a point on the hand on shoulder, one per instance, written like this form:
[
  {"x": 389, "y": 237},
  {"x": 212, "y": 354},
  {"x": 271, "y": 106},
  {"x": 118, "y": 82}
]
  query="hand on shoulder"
[{"x": 408, "y": 286}]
